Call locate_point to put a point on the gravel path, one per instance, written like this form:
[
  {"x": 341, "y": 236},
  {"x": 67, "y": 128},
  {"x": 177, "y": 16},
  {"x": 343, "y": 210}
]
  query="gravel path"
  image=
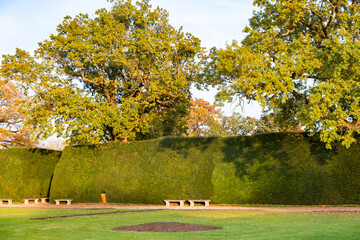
[{"x": 343, "y": 208}]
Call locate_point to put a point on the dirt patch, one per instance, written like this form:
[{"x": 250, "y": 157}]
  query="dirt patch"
[
  {"x": 167, "y": 227},
  {"x": 89, "y": 214}
]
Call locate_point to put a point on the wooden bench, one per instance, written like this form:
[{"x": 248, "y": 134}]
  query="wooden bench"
[
  {"x": 180, "y": 202},
  {"x": 44, "y": 200},
  {"x": 57, "y": 201},
  {"x": 27, "y": 200},
  {"x": 206, "y": 202},
  {"x": 9, "y": 201}
]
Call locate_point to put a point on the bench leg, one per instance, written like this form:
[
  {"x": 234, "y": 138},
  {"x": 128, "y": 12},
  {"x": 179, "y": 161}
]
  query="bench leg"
[
  {"x": 26, "y": 202},
  {"x": 167, "y": 204},
  {"x": 1, "y": 202},
  {"x": 181, "y": 204},
  {"x": 36, "y": 201},
  {"x": 68, "y": 202},
  {"x": 192, "y": 204},
  {"x": 10, "y": 202},
  {"x": 57, "y": 203},
  {"x": 207, "y": 204}
]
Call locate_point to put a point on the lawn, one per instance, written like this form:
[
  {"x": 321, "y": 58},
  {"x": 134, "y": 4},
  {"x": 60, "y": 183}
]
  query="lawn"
[{"x": 16, "y": 224}]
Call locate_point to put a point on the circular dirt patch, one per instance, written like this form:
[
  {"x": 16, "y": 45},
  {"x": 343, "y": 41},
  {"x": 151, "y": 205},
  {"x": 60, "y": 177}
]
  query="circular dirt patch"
[{"x": 167, "y": 227}]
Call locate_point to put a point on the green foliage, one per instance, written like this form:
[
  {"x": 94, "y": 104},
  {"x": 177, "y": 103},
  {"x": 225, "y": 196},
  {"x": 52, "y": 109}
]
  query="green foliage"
[
  {"x": 207, "y": 121},
  {"x": 26, "y": 172},
  {"x": 281, "y": 168},
  {"x": 301, "y": 57},
  {"x": 236, "y": 124},
  {"x": 268, "y": 123},
  {"x": 345, "y": 169},
  {"x": 123, "y": 75},
  {"x": 138, "y": 172}
]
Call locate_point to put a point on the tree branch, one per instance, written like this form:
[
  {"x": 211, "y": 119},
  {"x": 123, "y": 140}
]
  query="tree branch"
[{"x": 88, "y": 81}]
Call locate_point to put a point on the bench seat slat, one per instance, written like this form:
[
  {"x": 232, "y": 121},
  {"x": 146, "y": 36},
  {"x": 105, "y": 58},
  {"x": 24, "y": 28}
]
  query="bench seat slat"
[
  {"x": 8, "y": 200},
  {"x": 68, "y": 201},
  {"x": 167, "y": 202},
  {"x": 206, "y": 202},
  {"x": 26, "y": 200}
]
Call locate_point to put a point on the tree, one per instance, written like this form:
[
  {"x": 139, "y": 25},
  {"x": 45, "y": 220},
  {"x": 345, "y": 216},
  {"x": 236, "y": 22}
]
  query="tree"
[
  {"x": 236, "y": 124},
  {"x": 269, "y": 122},
  {"x": 207, "y": 120},
  {"x": 300, "y": 56},
  {"x": 203, "y": 118},
  {"x": 12, "y": 133},
  {"x": 120, "y": 76}
]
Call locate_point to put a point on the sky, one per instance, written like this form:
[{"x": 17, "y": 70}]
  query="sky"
[{"x": 24, "y": 23}]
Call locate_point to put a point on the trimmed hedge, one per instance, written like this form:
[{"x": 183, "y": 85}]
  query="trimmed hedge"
[
  {"x": 266, "y": 169},
  {"x": 26, "y": 172},
  {"x": 138, "y": 172}
]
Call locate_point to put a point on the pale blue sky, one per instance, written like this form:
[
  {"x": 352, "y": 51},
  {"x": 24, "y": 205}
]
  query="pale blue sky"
[{"x": 24, "y": 23}]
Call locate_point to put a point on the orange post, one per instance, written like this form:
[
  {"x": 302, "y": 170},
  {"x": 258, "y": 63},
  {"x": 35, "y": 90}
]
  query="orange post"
[{"x": 103, "y": 197}]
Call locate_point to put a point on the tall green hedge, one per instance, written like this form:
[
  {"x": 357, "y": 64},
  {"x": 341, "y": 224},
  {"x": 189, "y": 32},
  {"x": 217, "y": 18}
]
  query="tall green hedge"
[
  {"x": 26, "y": 172},
  {"x": 138, "y": 172},
  {"x": 272, "y": 168}
]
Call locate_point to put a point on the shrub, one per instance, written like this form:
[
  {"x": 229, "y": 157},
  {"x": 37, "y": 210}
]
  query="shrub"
[
  {"x": 26, "y": 172},
  {"x": 281, "y": 168}
]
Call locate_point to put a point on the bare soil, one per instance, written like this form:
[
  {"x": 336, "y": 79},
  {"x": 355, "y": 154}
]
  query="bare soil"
[{"x": 167, "y": 227}]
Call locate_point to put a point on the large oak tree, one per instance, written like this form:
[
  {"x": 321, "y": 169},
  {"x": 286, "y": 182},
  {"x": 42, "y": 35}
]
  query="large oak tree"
[
  {"x": 122, "y": 75},
  {"x": 301, "y": 56}
]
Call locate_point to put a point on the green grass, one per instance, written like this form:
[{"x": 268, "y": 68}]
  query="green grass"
[
  {"x": 22, "y": 211},
  {"x": 236, "y": 225}
]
